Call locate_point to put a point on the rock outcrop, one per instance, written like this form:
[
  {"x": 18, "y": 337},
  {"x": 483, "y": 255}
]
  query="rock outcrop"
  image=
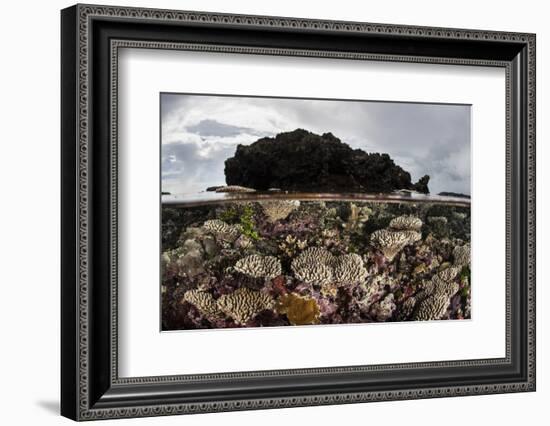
[{"x": 303, "y": 161}]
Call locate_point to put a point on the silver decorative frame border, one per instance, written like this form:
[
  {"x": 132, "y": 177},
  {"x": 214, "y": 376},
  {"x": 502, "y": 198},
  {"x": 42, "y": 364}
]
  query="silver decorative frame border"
[{"x": 86, "y": 13}]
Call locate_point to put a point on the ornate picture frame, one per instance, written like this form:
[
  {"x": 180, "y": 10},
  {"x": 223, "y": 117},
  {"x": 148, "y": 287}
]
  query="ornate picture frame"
[{"x": 91, "y": 37}]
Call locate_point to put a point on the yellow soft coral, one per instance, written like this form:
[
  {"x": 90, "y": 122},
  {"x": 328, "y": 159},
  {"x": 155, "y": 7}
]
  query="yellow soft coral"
[{"x": 299, "y": 310}]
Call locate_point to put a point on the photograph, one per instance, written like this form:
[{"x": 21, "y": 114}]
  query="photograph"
[{"x": 293, "y": 211}]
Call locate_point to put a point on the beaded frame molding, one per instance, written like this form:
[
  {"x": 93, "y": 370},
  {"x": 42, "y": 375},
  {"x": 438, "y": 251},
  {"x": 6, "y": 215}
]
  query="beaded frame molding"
[{"x": 91, "y": 38}]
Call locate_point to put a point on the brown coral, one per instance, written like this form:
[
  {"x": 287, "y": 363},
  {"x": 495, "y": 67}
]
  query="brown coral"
[
  {"x": 278, "y": 209},
  {"x": 299, "y": 310},
  {"x": 203, "y": 301},
  {"x": 390, "y": 243},
  {"x": 256, "y": 266},
  {"x": 244, "y": 304}
]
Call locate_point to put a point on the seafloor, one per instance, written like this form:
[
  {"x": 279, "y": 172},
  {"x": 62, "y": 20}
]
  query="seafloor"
[{"x": 290, "y": 262}]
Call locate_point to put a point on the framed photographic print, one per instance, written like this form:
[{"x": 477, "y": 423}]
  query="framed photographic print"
[{"x": 264, "y": 212}]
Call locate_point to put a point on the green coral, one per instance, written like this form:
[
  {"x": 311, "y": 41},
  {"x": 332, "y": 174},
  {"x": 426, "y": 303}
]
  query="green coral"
[
  {"x": 244, "y": 216},
  {"x": 248, "y": 224},
  {"x": 229, "y": 215}
]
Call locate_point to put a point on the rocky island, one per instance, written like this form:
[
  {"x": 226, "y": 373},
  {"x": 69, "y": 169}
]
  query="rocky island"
[{"x": 303, "y": 161}]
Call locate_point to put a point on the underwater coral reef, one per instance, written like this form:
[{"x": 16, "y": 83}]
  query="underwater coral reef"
[{"x": 283, "y": 262}]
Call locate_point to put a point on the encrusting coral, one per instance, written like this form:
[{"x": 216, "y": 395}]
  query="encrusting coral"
[
  {"x": 244, "y": 304},
  {"x": 300, "y": 310},
  {"x": 278, "y": 209},
  {"x": 257, "y": 266}
]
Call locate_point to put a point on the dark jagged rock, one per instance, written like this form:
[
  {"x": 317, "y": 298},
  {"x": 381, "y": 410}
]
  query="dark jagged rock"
[
  {"x": 213, "y": 188},
  {"x": 422, "y": 185},
  {"x": 303, "y": 161},
  {"x": 453, "y": 194}
]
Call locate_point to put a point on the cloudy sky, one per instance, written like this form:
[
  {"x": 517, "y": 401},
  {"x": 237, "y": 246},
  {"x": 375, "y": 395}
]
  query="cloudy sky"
[{"x": 200, "y": 131}]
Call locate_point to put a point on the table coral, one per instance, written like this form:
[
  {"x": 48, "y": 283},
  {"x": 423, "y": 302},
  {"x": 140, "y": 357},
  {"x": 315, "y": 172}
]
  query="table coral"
[
  {"x": 204, "y": 302},
  {"x": 221, "y": 230},
  {"x": 278, "y": 209},
  {"x": 390, "y": 242},
  {"x": 257, "y": 266},
  {"x": 349, "y": 269},
  {"x": 244, "y": 304},
  {"x": 316, "y": 265},
  {"x": 402, "y": 223}
]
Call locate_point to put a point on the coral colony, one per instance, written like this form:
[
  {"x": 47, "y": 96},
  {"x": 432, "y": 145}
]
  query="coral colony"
[{"x": 272, "y": 261}]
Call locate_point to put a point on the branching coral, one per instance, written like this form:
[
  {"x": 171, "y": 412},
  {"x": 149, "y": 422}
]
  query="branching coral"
[
  {"x": 244, "y": 304},
  {"x": 257, "y": 266},
  {"x": 204, "y": 302},
  {"x": 402, "y": 223},
  {"x": 290, "y": 245},
  {"x": 392, "y": 242},
  {"x": 278, "y": 209},
  {"x": 299, "y": 310},
  {"x": 357, "y": 217}
]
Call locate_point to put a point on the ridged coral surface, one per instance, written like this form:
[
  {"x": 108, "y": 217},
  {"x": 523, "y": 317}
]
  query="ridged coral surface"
[{"x": 244, "y": 304}]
